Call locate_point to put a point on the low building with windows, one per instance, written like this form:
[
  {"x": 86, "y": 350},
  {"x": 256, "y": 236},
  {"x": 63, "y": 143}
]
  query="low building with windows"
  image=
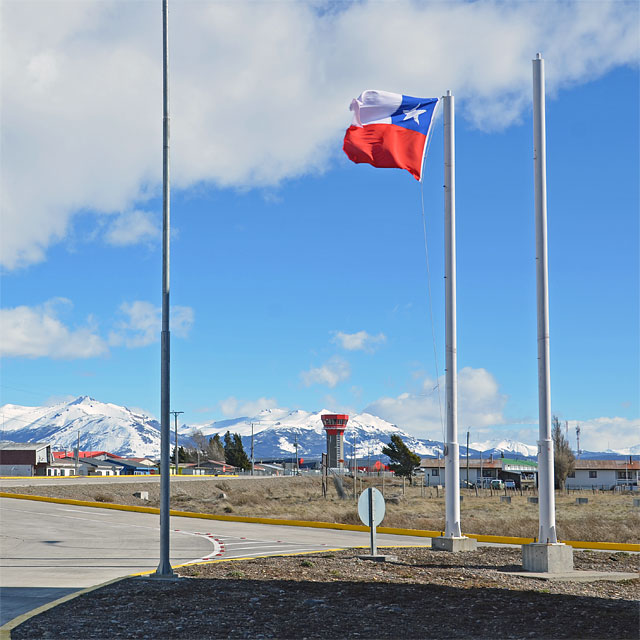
[
  {"x": 24, "y": 458},
  {"x": 605, "y": 474},
  {"x": 482, "y": 472}
]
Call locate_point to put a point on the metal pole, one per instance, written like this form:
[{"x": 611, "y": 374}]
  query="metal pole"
[
  {"x": 164, "y": 566},
  {"x": 547, "y": 507},
  {"x": 452, "y": 459},
  {"x": 77, "y": 452},
  {"x": 252, "y": 459},
  {"x": 175, "y": 415},
  {"x": 467, "y": 458},
  {"x": 372, "y": 526},
  {"x": 355, "y": 467}
]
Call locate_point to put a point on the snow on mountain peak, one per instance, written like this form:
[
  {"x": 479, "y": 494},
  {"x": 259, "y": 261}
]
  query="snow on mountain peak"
[
  {"x": 82, "y": 400},
  {"x": 114, "y": 428}
]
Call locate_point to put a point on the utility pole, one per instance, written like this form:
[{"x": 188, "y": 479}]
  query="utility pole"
[
  {"x": 77, "y": 452},
  {"x": 578, "y": 440},
  {"x": 175, "y": 415},
  {"x": 355, "y": 467},
  {"x": 295, "y": 442},
  {"x": 467, "y": 458},
  {"x": 252, "y": 460}
]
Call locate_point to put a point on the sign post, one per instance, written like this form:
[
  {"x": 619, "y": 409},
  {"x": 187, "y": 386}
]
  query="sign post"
[{"x": 371, "y": 510}]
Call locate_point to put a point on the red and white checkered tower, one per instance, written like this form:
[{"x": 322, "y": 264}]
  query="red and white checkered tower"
[{"x": 334, "y": 425}]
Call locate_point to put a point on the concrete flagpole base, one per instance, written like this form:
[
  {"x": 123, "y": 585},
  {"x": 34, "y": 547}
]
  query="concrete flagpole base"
[
  {"x": 454, "y": 544},
  {"x": 379, "y": 558},
  {"x": 547, "y": 558}
]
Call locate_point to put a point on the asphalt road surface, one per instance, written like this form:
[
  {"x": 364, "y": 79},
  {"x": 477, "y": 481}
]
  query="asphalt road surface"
[{"x": 48, "y": 550}]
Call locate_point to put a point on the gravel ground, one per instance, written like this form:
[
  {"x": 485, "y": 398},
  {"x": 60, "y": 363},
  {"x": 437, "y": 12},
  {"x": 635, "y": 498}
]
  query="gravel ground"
[{"x": 425, "y": 594}]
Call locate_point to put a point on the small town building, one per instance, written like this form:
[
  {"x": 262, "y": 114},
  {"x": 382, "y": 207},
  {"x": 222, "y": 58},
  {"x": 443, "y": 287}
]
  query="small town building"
[
  {"x": 605, "y": 474},
  {"x": 127, "y": 466},
  {"x": 523, "y": 473},
  {"x": 67, "y": 467},
  {"x": 24, "y": 458},
  {"x": 215, "y": 467}
]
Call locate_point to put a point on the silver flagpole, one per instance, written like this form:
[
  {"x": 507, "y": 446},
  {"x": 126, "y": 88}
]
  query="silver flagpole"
[
  {"x": 546, "y": 555},
  {"x": 452, "y": 539},
  {"x": 164, "y": 566},
  {"x": 451, "y": 460},
  {"x": 547, "y": 507}
]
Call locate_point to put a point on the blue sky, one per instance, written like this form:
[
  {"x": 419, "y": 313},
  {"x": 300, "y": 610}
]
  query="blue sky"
[{"x": 298, "y": 278}]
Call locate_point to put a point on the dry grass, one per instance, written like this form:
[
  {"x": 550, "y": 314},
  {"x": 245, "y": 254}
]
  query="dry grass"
[{"x": 607, "y": 517}]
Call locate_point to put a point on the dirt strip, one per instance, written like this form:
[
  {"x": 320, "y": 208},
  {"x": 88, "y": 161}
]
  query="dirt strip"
[{"x": 336, "y": 595}]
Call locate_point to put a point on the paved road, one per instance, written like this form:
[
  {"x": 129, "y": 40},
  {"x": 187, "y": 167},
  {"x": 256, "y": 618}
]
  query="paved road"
[
  {"x": 48, "y": 550},
  {"x": 60, "y": 481}
]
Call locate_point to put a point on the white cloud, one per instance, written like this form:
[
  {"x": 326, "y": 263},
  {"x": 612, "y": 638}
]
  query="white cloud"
[
  {"x": 143, "y": 323},
  {"x": 480, "y": 403},
  {"x": 600, "y": 434},
  {"x": 330, "y": 373},
  {"x": 231, "y": 407},
  {"x": 36, "y": 332},
  {"x": 359, "y": 341},
  {"x": 81, "y": 89},
  {"x": 132, "y": 227}
]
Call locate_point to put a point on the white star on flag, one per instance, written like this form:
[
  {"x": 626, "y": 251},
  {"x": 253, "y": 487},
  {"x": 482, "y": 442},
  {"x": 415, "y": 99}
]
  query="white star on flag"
[{"x": 414, "y": 113}]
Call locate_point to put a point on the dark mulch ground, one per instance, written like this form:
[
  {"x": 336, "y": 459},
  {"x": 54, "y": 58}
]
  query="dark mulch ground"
[{"x": 426, "y": 594}]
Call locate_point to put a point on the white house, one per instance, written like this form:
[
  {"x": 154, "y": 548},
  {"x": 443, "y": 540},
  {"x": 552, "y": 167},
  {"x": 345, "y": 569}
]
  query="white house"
[
  {"x": 604, "y": 474},
  {"x": 482, "y": 472}
]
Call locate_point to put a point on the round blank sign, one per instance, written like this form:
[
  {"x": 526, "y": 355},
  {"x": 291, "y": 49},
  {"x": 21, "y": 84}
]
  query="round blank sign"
[{"x": 378, "y": 507}]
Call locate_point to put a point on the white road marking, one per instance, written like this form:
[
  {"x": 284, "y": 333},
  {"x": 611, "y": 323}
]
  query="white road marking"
[
  {"x": 284, "y": 552},
  {"x": 80, "y": 511}
]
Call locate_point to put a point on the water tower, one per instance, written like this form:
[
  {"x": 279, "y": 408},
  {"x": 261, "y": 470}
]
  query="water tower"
[{"x": 334, "y": 425}]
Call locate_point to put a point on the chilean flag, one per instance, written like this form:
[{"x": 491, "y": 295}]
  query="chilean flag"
[{"x": 390, "y": 130}]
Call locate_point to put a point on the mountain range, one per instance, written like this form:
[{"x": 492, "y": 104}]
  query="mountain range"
[{"x": 100, "y": 426}]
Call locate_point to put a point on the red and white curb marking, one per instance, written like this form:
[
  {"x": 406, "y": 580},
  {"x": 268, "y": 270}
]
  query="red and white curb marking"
[{"x": 218, "y": 545}]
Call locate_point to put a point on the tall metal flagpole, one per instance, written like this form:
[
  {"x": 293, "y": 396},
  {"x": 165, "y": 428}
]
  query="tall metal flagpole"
[
  {"x": 453, "y": 540},
  {"x": 546, "y": 555},
  {"x": 164, "y": 566},
  {"x": 452, "y": 448},
  {"x": 547, "y": 506}
]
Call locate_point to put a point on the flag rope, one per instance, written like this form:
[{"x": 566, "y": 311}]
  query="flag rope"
[{"x": 433, "y": 333}]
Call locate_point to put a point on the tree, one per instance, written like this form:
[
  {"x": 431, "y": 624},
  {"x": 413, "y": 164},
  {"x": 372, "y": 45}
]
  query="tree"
[
  {"x": 182, "y": 455},
  {"x": 215, "y": 450},
  {"x": 242, "y": 460},
  {"x": 564, "y": 462},
  {"x": 199, "y": 439},
  {"x": 228, "y": 449},
  {"x": 234, "y": 452},
  {"x": 403, "y": 460}
]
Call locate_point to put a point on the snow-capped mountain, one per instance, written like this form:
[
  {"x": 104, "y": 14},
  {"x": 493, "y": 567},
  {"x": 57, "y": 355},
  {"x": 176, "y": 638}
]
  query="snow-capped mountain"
[
  {"x": 110, "y": 427},
  {"x": 100, "y": 426},
  {"x": 498, "y": 447},
  {"x": 629, "y": 451},
  {"x": 277, "y": 430}
]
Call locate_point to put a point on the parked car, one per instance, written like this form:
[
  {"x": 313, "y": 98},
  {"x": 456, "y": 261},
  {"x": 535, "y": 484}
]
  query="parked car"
[
  {"x": 509, "y": 484},
  {"x": 497, "y": 484}
]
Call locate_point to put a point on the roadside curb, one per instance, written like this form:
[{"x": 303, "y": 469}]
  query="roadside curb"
[
  {"x": 577, "y": 544},
  {"x": 8, "y": 627}
]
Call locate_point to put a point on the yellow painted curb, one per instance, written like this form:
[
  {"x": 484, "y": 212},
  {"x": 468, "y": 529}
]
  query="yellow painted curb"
[
  {"x": 8, "y": 627},
  {"x": 578, "y": 544},
  {"x": 122, "y": 475}
]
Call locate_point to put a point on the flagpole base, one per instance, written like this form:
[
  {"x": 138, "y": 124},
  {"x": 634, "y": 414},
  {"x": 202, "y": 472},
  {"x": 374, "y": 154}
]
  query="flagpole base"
[
  {"x": 454, "y": 544},
  {"x": 539, "y": 557}
]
